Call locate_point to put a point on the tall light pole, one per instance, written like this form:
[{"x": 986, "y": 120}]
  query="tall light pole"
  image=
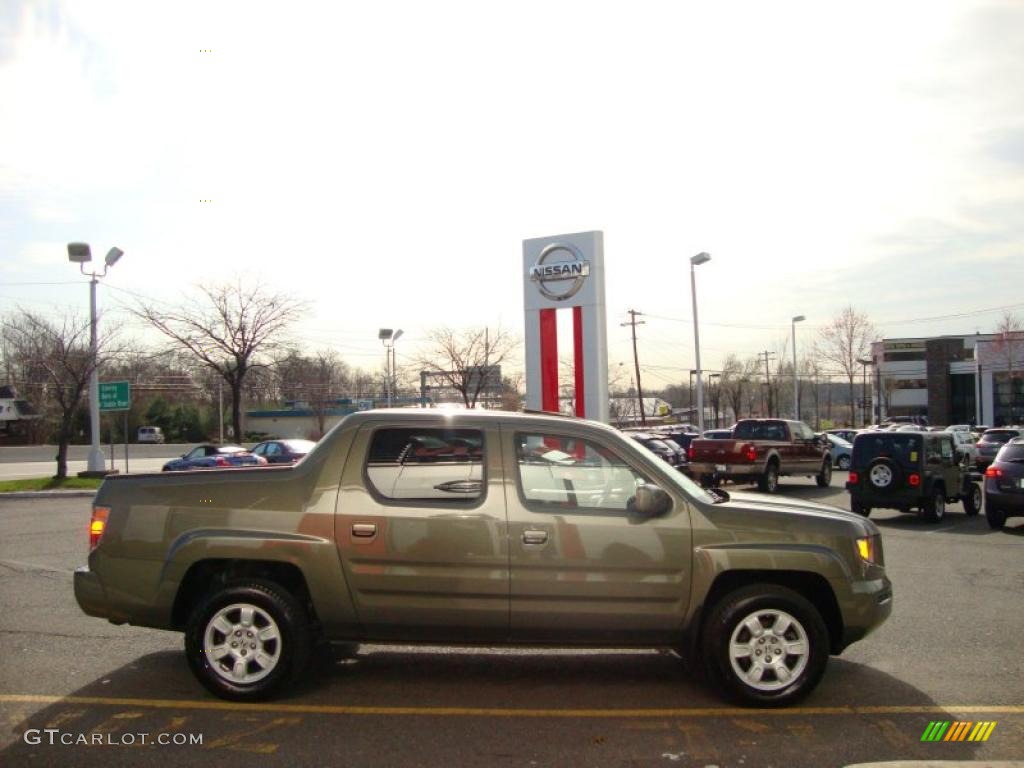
[
  {"x": 695, "y": 261},
  {"x": 864, "y": 389},
  {"x": 388, "y": 337},
  {"x": 80, "y": 253},
  {"x": 796, "y": 381}
]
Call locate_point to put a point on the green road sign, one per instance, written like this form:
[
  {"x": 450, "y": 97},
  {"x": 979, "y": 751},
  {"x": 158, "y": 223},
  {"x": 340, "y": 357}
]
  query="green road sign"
[{"x": 115, "y": 396}]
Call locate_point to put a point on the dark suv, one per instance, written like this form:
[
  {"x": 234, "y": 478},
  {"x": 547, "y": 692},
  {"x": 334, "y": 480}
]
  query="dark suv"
[
  {"x": 1004, "y": 484},
  {"x": 910, "y": 470}
]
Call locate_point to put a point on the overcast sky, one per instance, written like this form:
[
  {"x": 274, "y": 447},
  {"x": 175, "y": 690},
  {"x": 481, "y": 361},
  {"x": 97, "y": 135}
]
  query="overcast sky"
[{"x": 384, "y": 161}]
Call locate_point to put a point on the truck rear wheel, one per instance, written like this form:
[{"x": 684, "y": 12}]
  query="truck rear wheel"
[
  {"x": 766, "y": 645},
  {"x": 247, "y": 639},
  {"x": 768, "y": 482},
  {"x": 824, "y": 478}
]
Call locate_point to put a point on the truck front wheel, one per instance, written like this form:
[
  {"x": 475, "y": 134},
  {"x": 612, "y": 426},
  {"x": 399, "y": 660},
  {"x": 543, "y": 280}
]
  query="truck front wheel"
[
  {"x": 247, "y": 639},
  {"x": 766, "y": 645}
]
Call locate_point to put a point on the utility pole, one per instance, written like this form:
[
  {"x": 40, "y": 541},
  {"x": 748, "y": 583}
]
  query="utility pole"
[
  {"x": 633, "y": 323},
  {"x": 767, "y": 376}
]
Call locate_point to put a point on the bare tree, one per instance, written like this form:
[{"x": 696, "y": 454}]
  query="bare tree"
[
  {"x": 231, "y": 329},
  {"x": 844, "y": 341},
  {"x": 54, "y": 358},
  {"x": 737, "y": 380},
  {"x": 315, "y": 380},
  {"x": 463, "y": 360}
]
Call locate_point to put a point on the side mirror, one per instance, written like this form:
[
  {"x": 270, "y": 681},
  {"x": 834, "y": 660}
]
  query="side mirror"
[{"x": 649, "y": 501}]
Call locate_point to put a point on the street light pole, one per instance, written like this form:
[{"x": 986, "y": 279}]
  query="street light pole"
[
  {"x": 81, "y": 254},
  {"x": 796, "y": 381},
  {"x": 388, "y": 338},
  {"x": 695, "y": 261}
]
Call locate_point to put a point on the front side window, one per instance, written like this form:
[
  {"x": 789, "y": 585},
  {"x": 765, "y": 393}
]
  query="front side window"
[
  {"x": 562, "y": 473},
  {"x": 427, "y": 465}
]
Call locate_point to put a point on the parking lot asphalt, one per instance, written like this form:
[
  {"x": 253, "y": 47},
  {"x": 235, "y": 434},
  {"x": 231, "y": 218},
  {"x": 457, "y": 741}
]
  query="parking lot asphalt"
[{"x": 949, "y": 653}]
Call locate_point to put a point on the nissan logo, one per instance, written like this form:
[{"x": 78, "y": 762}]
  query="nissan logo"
[{"x": 562, "y": 264}]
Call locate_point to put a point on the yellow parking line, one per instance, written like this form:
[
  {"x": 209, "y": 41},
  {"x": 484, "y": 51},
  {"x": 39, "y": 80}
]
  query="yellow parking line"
[{"x": 327, "y": 709}]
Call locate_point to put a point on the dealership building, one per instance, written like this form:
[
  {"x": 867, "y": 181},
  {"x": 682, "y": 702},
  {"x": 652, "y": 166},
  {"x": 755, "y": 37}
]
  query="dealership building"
[{"x": 973, "y": 379}]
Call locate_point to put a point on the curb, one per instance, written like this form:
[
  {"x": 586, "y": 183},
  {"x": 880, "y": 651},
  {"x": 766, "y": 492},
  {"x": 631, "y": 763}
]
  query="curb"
[{"x": 74, "y": 494}]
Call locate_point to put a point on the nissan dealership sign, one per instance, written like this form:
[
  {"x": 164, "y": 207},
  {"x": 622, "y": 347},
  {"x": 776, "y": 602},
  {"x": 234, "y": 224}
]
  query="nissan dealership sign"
[{"x": 560, "y": 271}]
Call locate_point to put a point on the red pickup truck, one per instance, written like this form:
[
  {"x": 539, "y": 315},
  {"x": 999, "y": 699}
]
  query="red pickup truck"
[{"x": 762, "y": 450}]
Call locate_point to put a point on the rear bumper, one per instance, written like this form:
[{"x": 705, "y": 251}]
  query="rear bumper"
[
  {"x": 725, "y": 469},
  {"x": 92, "y": 597}
]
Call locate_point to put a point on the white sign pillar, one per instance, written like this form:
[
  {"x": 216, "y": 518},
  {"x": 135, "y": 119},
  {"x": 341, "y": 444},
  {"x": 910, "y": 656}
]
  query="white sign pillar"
[{"x": 566, "y": 272}]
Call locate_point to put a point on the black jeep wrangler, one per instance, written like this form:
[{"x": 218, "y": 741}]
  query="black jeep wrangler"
[{"x": 910, "y": 470}]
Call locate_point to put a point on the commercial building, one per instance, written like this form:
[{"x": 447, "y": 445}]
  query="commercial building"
[{"x": 972, "y": 379}]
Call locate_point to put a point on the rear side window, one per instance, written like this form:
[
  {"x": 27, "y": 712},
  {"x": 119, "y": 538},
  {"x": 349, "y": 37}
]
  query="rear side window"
[
  {"x": 903, "y": 448},
  {"x": 1014, "y": 453},
  {"x": 999, "y": 436},
  {"x": 427, "y": 465}
]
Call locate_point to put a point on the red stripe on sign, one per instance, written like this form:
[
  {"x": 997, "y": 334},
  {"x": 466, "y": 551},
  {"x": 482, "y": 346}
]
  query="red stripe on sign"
[
  {"x": 549, "y": 360},
  {"x": 577, "y": 342}
]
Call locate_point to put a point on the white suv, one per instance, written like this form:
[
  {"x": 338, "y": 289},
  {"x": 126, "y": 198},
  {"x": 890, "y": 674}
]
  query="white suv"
[{"x": 150, "y": 435}]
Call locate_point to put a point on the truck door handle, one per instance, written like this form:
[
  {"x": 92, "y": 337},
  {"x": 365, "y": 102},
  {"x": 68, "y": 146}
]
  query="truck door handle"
[
  {"x": 535, "y": 537},
  {"x": 364, "y": 530}
]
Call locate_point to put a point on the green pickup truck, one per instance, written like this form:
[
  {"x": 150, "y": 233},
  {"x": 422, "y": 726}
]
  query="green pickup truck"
[{"x": 481, "y": 528}]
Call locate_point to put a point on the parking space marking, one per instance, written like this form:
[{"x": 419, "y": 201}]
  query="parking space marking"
[{"x": 328, "y": 709}]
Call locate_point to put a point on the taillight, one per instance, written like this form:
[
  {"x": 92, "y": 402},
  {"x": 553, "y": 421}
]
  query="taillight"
[
  {"x": 691, "y": 453},
  {"x": 993, "y": 472},
  {"x": 853, "y": 479},
  {"x": 914, "y": 480},
  {"x": 749, "y": 452},
  {"x": 97, "y": 525}
]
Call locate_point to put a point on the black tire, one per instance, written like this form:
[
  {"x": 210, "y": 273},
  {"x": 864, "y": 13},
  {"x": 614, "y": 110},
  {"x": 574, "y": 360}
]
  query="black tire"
[
  {"x": 824, "y": 478},
  {"x": 935, "y": 507},
  {"x": 768, "y": 482},
  {"x": 857, "y": 508},
  {"x": 995, "y": 516},
  {"x": 972, "y": 499},
  {"x": 766, "y": 603},
  {"x": 882, "y": 475},
  {"x": 272, "y": 611},
  {"x": 843, "y": 463}
]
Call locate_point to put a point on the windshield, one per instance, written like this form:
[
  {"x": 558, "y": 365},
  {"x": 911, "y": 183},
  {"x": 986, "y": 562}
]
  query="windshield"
[{"x": 678, "y": 478}]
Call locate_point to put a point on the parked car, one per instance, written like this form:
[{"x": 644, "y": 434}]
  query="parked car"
[
  {"x": 283, "y": 451},
  {"x": 843, "y": 434},
  {"x": 1004, "y": 484},
  {"x": 990, "y": 443},
  {"x": 150, "y": 435},
  {"x": 910, "y": 471},
  {"x": 660, "y": 446},
  {"x": 557, "y": 532},
  {"x": 965, "y": 444},
  {"x": 210, "y": 456},
  {"x": 841, "y": 450}
]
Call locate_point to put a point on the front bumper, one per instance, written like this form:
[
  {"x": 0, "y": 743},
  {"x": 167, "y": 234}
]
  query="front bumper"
[{"x": 867, "y": 605}]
